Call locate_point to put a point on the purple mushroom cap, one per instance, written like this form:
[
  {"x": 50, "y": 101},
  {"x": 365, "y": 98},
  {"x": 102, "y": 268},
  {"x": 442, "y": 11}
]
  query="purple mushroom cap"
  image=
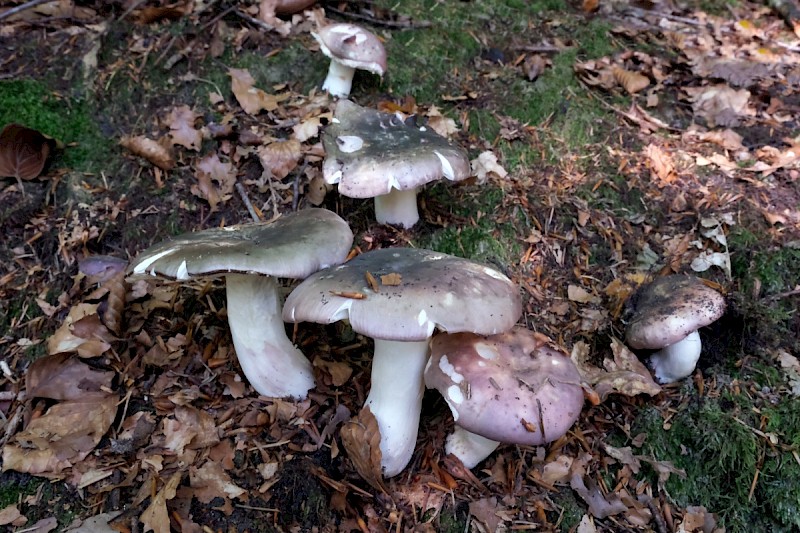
[{"x": 509, "y": 387}]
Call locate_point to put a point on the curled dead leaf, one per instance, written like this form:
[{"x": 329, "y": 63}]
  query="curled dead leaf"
[
  {"x": 154, "y": 151},
  {"x": 361, "y": 437},
  {"x": 633, "y": 82}
]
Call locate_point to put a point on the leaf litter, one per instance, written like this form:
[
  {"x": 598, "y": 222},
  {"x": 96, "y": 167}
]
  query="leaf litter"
[{"x": 183, "y": 427}]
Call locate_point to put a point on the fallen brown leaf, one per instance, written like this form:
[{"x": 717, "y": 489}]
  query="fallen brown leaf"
[
  {"x": 155, "y": 152},
  {"x": 63, "y": 377},
  {"x": 156, "y": 517},
  {"x": 57, "y": 440},
  {"x": 23, "y": 152},
  {"x": 181, "y": 122},
  {"x": 82, "y": 332},
  {"x": 361, "y": 437},
  {"x": 252, "y": 99},
  {"x": 632, "y": 82}
]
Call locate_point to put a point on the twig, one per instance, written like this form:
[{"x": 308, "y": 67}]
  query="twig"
[
  {"x": 252, "y": 20},
  {"x": 782, "y": 295},
  {"x": 131, "y": 8},
  {"x": 247, "y": 203},
  {"x": 21, "y": 7},
  {"x": 675, "y": 18},
  {"x": 379, "y": 22},
  {"x": 541, "y": 49}
]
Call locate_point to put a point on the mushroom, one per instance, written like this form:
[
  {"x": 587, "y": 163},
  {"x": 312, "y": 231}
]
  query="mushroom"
[
  {"x": 510, "y": 387},
  {"x": 666, "y": 316},
  {"x": 399, "y": 296},
  {"x": 350, "y": 47},
  {"x": 378, "y": 155},
  {"x": 251, "y": 257}
]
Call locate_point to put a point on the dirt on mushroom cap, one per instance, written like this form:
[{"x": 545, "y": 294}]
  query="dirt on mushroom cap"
[
  {"x": 669, "y": 308},
  {"x": 437, "y": 290}
]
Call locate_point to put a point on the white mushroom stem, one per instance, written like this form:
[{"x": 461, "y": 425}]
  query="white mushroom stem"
[
  {"x": 269, "y": 360},
  {"x": 339, "y": 80},
  {"x": 677, "y": 360},
  {"x": 469, "y": 447},
  {"x": 395, "y": 398},
  {"x": 397, "y": 207}
]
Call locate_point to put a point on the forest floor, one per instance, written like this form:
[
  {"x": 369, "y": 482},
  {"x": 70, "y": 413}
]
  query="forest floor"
[{"x": 612, "y": 142}]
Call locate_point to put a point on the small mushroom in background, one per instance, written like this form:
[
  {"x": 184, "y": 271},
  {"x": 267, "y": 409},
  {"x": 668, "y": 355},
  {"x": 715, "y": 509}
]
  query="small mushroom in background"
[
  {"x": 378, "y": 155},
  {"x": 350, "y": 47},
  {"x": 666, "y": 316},
  {"x": 510, "y": 387},
  {"x": 399, "y": 296},
  {"x": 250, "y": 258}
]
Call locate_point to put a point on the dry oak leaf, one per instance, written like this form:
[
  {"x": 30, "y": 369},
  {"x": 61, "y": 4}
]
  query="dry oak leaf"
[
  {"x": 82, "y": 332},
  {"x": 23, "y": 152},
  {"x": 154, "y": 151},
  {"x": 64, "y": 435},
  {"x": 211, "y": 481},
  {"x": 633, "y": 82},
  {"x": 252, "y": 99},
  {"x": 361, "y": 437},
  {"x": 340, "y": 372},
  {"x": 181, "y": 128},
  {"x": 215, "y": 180},
  {"x": 267, "y": 14},
  {"x": 600, "y": 506},
  {"x": 156, "y": 517},
  {"x": 720, "y": 104},
  {"x": 662, "y": 170},
  {"x": 485, "y": 511},
  {"x": 625, "y": 374},
  {"x": 485, "y": 165},
  {"x": 280, "y": 157}
]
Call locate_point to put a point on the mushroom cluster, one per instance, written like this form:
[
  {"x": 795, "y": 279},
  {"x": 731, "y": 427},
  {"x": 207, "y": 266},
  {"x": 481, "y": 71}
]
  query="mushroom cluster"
[
  {"x": 414, "y": 293},
  {"x": 435, "y": 319}
]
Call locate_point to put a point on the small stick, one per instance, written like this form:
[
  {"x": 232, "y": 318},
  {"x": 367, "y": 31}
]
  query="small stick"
[
  {"x": 21, "y": 7},
  {"x": 246, "y": 200},
  {"x": 252, "y": 20}
]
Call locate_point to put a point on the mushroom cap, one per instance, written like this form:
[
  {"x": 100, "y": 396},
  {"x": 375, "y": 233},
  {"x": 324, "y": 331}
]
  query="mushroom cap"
[
  {"x": 352, "y": 46},
  {"x": 670, "y": 308},
  {"x": 432, "y": 290},
  {"x": 510, "y": 387},
  {"x": 292, "y": 246},
  {"x": 368, "y": 153}
]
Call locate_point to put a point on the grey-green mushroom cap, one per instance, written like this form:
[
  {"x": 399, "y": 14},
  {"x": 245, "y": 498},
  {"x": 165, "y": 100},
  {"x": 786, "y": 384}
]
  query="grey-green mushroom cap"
[
  {"x": 369, "y": 153},
  {"x": 668, "y": 309},
  {"x": 422, "y": 290},
  {"x": 292, "y": 246}
]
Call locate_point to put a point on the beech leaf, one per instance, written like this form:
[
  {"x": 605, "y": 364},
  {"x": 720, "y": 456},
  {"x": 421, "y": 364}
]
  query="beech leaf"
[{"x": 23, "y": 152}]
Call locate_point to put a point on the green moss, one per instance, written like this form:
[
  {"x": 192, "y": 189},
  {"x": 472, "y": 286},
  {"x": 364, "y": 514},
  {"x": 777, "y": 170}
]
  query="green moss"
[
  {"x": 71, "y": 121},
  {"x": 486, "y": 240},
  {"x": 763, "y": 271},
  {"x": 721, "y": 455},
  {"x": 570, "y": 509}
]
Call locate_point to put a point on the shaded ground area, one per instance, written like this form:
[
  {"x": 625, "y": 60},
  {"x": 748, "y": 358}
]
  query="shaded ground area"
[{"x": 637, "y": 141}]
